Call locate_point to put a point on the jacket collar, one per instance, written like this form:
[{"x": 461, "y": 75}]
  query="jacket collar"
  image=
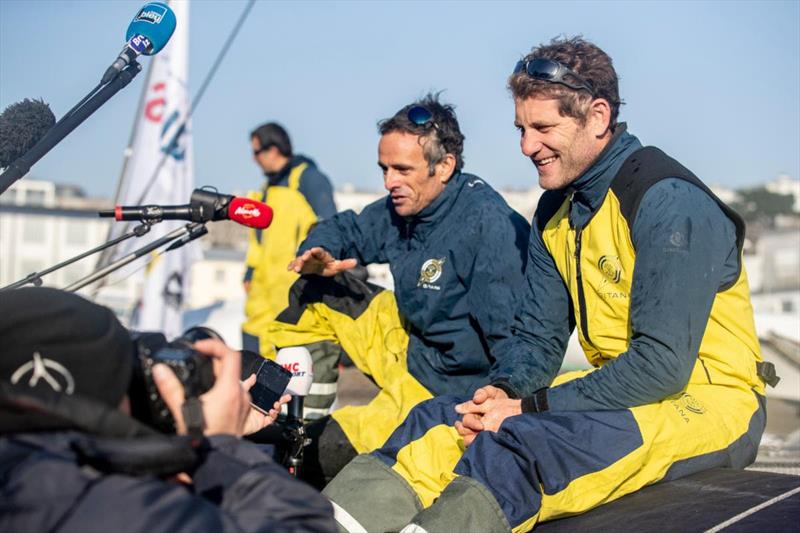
[
  {"x": 438, "y": 209},
  {"x": 282, "y": 176},
  {"x": 589, "y": 190}
]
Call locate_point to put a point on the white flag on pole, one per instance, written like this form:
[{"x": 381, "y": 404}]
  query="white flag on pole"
[{"x": 160, "y": 171}]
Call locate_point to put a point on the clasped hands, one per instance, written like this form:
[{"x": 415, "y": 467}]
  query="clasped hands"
[{"x": 487, "y": 410}]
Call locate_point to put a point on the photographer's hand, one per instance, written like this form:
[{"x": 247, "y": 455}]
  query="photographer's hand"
[
  {"x": 225, "y": 406},
  {"x": 319, "y": 261},
  {"x": 257, "y": 420}
]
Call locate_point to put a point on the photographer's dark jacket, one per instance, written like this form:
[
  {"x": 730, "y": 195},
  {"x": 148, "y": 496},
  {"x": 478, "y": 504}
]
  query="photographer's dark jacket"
[
  {"x": 110, "y": 479},
  {"x": 457, "y": 266}
]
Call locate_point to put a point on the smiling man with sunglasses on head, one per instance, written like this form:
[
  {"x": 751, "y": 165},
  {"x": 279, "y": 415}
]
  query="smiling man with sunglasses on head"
[
  {"x": 633, "y": 249},
  {"x": 456, "y": 252}
]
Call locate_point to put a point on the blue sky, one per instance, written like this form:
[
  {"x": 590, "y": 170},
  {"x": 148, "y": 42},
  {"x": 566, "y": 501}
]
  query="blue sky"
[{"x": 715, "y": 84}]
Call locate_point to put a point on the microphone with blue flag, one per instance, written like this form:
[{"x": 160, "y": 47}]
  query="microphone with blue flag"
[{"x": 148, "y": 32}]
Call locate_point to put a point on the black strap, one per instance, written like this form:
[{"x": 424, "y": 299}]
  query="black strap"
[
  {"x": 766, "y": 371},
  {"x": 537, "y": 403},
  {"x": 192, "y": 411}
]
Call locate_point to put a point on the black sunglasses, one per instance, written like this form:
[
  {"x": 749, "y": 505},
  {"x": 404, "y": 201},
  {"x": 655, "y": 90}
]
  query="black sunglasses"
[
  {"x": 421, "y": 116},
  {"x": 263, "y": 149},
  {"x": 553, "y": 72}
]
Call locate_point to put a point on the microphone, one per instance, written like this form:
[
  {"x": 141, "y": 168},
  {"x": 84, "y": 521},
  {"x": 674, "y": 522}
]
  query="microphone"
[
  {"x": 297, "y": 360},
  {"x": 22, "y": 125},
  {"x": 204, "y": 206},
  {"x": 148, "y": 32}
]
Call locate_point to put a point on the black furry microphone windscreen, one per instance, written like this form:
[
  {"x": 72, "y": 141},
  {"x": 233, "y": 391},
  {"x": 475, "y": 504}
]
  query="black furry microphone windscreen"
[{"x": 21, "y": 126}]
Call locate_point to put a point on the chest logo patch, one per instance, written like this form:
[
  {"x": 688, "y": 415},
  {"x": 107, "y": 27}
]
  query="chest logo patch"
[
  {"x": 611, "y": 268},
  {"x": 430, "y": 272}
]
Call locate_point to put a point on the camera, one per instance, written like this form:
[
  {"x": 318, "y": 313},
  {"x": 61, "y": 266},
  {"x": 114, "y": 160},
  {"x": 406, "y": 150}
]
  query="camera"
[{"x": 194, "y": 370}]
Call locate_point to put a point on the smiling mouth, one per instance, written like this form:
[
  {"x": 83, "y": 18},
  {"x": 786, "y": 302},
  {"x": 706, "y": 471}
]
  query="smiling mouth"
[{"x": 546, "y": 161}]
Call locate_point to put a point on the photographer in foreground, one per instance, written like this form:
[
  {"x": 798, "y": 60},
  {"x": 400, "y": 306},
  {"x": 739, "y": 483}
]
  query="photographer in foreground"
[{"x": 72, "y": 459}]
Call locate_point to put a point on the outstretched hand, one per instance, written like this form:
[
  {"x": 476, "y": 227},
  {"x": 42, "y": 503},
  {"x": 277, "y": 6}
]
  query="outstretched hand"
[
  {"x": 487, "y": 410},
  {"x": 319, "y": 261}
]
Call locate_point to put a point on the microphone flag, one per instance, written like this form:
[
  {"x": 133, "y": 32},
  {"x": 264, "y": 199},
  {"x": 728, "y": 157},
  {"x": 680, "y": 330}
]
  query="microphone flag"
[{"x": 158, "y": 169}]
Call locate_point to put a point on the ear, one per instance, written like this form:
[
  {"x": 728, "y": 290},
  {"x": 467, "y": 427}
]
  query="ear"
[
  {"x": 445, "y": 168},
  {"x": 599, "y": 117}
]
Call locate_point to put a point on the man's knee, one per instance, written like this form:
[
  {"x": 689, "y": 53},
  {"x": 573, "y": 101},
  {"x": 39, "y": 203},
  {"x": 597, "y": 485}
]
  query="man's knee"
[
  {"x": 327, "y": 454},
  {"x": 367, "y": 494}
]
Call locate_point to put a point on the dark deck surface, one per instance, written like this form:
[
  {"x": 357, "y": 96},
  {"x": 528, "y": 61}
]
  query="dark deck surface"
[{"x": 745, "y": 500}]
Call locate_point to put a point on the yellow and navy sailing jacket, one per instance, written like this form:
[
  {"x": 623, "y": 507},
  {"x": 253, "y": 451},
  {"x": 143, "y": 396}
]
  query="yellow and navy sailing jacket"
[
  {"x": 299, "y": 195},
  {"x": 457, "y": 266},
  {"x": 646, "y": 262}
]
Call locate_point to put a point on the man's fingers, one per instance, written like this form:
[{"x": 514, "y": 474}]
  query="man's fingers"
[
  {"x": 466, "y": 407},
  {"x": 347, "y": 264},
  {"x": 171, "y": 391},
  {"x": 281, "y": 401},
  {"x": 249, "y": 382},
  {"x": 229, "y": 362},
  {"x": 480, "y": 396},
  {"x": 472, "y": 407},
  {"x": 295, "y": 265},
  {"x": 473, "y": 422}
]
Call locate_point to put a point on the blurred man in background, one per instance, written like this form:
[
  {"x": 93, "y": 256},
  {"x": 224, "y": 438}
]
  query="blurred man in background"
[{"x": 300, "y": 196}]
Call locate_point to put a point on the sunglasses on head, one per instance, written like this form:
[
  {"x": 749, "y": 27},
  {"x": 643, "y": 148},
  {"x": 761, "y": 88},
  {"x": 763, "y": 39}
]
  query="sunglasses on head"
[
  {"x": 554, "y": 72},
  {"x": 421, "y": 116}
]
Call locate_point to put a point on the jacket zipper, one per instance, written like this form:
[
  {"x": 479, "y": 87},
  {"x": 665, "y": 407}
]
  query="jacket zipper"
[{"x": 579, "y": 279}]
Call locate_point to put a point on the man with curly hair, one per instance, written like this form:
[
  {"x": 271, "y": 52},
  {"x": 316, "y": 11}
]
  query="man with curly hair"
[{"x": 635, "y": 251}]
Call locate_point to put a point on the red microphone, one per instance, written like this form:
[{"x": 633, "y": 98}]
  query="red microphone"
[
  {"x": 250, "y": 213},
  {"x": 205, "y": 206}
]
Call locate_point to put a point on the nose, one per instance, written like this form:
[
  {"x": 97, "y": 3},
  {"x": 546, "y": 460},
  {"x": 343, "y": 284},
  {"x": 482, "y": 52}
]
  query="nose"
[
  {"x": 390, "y": 179},
  {"x": 530, "y": 143}
]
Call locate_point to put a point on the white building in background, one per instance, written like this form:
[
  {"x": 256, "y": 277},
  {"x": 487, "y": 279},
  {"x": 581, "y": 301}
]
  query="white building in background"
[
  {"x": 785, "y": 184},
  {"x": 43, "y": 224},
  {"x": 725, "y": 194}
]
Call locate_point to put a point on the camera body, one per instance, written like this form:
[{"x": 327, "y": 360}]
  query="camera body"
[{"x": 194, "y": 370}]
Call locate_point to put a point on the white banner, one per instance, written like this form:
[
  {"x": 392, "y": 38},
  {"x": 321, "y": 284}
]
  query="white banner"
[{"x": 159, "y": 170}]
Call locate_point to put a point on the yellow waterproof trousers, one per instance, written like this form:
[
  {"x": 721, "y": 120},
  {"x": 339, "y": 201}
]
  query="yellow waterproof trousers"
[{"x": 365, "y": 321}]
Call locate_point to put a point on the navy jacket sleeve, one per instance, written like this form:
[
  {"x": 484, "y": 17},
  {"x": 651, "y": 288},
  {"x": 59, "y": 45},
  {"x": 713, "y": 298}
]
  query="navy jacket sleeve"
[
  {"x": 542, "y": 326},
  {"x": 497, "y": 273},
  {"x": 237, "y": 488},
  {"x": 685, "y": 250},
  {"x": 347, "y": 235},
  {"x": 317, "y": 189}
]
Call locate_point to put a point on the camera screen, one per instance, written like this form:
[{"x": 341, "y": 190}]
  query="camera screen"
[
  {"x": 169, "y": 353},
  {"x": 271, "y": 381}
]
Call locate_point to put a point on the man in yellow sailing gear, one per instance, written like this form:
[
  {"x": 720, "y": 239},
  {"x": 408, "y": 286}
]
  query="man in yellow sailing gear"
[
  {"x": 300, "y": 196},
  {"x": 635, "y": 251}
]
